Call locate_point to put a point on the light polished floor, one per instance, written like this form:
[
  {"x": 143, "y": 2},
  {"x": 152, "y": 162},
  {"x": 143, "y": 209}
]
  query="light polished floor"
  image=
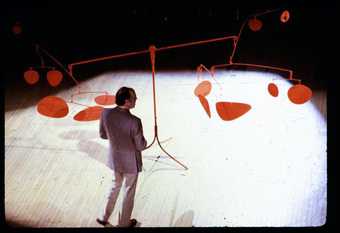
[{"x": 266, "y": 168}]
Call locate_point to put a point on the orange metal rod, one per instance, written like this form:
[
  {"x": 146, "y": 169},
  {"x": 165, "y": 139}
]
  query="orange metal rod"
[
  {"x": 197, "y": 43},
  {"x": 186, "y": 168},
  {"x": 86, "y": 92},
  {"x": 107, "y": 58},
  {"x": 152, "y": 50},
  {"x": 200, "y": 69},
  {"x": 70, "y": 66},
  {"x": 72, "y": 102},
  {"x": 235, "y": 38},
  {"x": 254, "y": 65},
  {"x": 241, "y": 30},
  {"x": 57, "y": 62}
]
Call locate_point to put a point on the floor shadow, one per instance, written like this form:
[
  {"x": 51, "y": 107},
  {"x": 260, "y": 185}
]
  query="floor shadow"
[
  {"x": 319, "y": 100},
  {"x": 185, "y": 220},
  {"x": 19, "y": 94},
  {"x": 88, "y": 146},
  {"x": 79, "y": 135},
  {"x": 10, "y": 224},
  {"x": 52, "y": 216},
  {"x": 170, "y": 164},
  {"x": 95, "y": 151}
]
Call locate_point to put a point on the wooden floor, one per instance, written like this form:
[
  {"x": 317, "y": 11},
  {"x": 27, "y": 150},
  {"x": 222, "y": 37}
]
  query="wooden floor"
[{"x": 267, "y": 168}]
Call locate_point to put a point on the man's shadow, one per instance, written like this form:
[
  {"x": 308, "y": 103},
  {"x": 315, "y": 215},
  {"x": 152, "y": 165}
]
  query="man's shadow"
[
  {"x": 185, "y": 220},
  {"x": 87, "y": 145}
]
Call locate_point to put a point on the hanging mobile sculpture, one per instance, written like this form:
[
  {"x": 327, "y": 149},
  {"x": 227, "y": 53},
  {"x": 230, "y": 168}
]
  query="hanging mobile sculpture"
[
  {"x": 56, "y": 107},
  {"x": 297, "y": 94}
]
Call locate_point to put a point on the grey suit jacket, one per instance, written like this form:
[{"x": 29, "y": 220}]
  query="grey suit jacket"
[{"x": 125, "y": 134}]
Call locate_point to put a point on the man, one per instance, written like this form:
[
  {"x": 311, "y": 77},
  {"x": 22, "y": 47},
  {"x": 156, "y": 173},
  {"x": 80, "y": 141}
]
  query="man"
[{"x": 125, "y": 134}]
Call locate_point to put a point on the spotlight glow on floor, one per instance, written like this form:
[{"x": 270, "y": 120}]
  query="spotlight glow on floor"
[{"x": 266, "y": 168}]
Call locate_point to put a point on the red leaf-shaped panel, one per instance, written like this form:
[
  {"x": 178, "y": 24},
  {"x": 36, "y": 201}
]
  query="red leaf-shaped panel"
[
  {"x": 205, "y": 104},
  {"x": 54, "y": 77},
  {"x": 255, "y": 24},
  {"x": 105, "y": 99},
  {"x": 299, "y": 94},
  {"x": 31, "y": 76},
  {"x": 230, "y": 111},
  {"x": 52, "y": 106},
  {"x": 273, "y": 90},
  {"x": 203, "y": 88},
  {"x": 89, "y": 114}
]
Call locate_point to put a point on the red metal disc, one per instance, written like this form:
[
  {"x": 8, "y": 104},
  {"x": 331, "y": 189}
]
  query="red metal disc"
[
  {"x": 230, "y": 111},
  {"x": 52, "y": 106}
]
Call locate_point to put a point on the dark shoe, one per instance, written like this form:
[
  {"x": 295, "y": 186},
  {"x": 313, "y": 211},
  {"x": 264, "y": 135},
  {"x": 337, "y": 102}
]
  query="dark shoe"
[
  {"x": 101, "y": 222},
  {"x": 133, "y": 223}
]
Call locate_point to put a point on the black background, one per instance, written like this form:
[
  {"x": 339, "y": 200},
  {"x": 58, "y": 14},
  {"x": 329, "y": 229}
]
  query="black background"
[{"x": 75, "y": 31}]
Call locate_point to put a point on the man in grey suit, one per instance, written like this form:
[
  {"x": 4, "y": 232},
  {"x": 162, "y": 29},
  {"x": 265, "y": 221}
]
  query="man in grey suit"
[{"x": 125, "y": 134}]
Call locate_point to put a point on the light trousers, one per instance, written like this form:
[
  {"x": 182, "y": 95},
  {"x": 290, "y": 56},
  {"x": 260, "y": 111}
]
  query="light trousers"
[{"x": 129, "y": 190}]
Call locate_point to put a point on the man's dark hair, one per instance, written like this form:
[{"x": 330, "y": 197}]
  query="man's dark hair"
[{"x": 123, "y": 94}]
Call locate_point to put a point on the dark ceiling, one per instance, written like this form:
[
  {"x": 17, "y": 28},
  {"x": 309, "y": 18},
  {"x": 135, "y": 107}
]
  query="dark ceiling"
[{"x": 77, "y": 31}]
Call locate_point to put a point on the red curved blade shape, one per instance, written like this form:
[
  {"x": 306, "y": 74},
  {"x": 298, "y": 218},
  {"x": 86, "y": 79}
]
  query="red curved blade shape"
[
  {"x": 205, "y": 104},
  {"x": 89, "y": 114},
  {"x": 230, "y": 111}
]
